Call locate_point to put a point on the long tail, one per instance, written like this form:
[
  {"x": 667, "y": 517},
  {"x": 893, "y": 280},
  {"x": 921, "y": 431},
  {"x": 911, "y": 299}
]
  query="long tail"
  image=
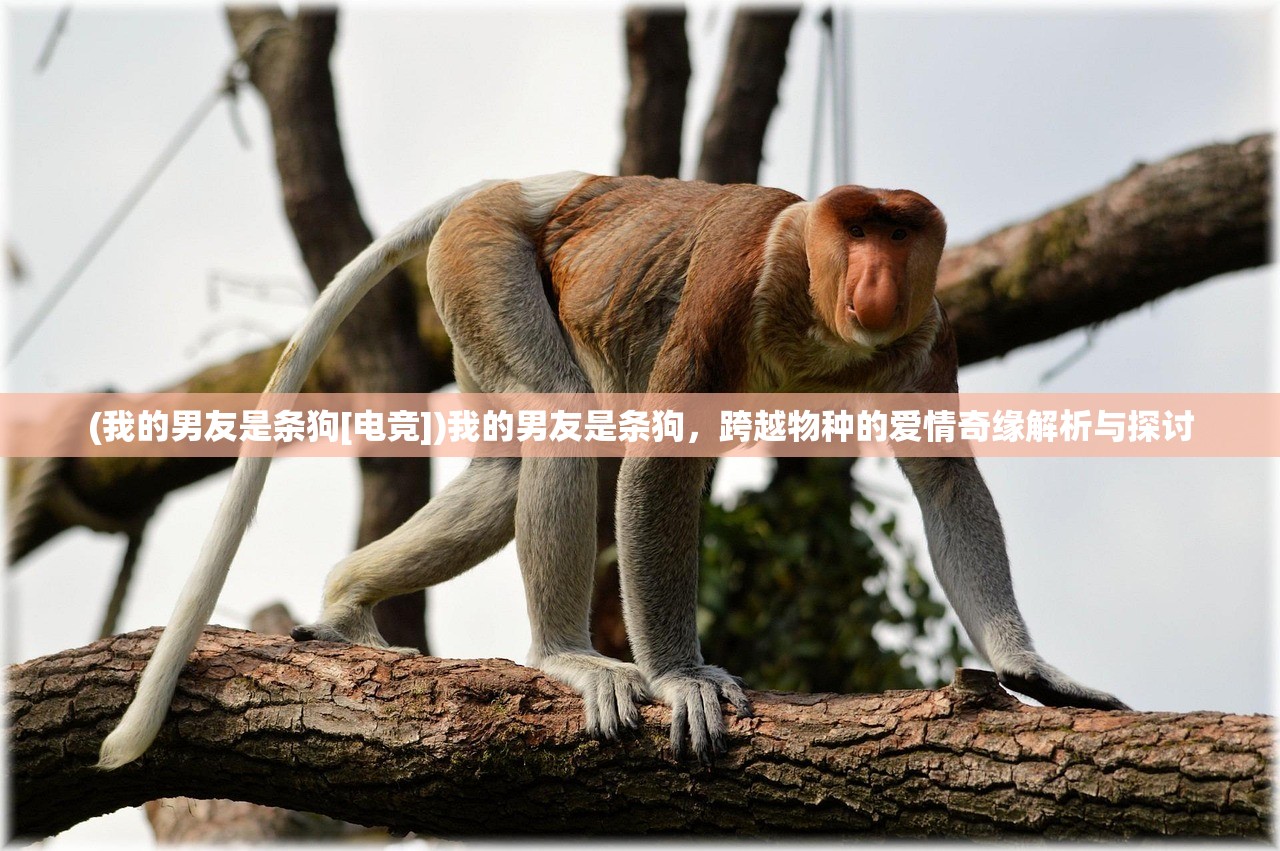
[{"x": 142, "y": 720}]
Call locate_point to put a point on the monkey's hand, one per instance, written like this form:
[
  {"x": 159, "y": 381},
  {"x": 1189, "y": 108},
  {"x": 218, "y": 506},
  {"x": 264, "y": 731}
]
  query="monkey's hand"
[
  {"x": 694, "y": 697},
  {"x": 1041, "y": 681},
  {"x": 610, "y": 689}
]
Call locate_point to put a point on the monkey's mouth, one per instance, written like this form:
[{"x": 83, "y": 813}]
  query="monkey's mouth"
[{"x": 853, "y": 331}]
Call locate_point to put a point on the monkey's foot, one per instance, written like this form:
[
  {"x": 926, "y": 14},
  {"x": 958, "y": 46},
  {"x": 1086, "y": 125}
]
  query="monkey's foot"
[
  {"x": 1045, "y": 683},
  {"x": 694, "y": 697},
  {"x": 610, "y": 689},
  {"x": 358, "y": 628}
]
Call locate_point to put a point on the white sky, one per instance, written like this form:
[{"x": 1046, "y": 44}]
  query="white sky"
[{"x": 1147, "y": 578}]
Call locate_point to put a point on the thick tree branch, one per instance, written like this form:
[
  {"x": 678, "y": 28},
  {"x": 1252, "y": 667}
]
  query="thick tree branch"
[
  {"x": 121, "y": 488},
  {"x": 733, "y": 140},
  {"x": 187, "y": 820},
  {"x": 658, "y": 64},
  {"x": 430, "y": 745},
  {"x": 1163, "y": 226},
  {"x": 1159, "y": 228}
]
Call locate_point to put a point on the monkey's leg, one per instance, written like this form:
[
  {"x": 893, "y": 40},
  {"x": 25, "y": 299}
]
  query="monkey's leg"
[
  {"x": 659, "y": 502},
  {"x": 485, "y": 281},
  {"x": 467, "y": 522},
  {"x": 555, "y": 527},
  {"x": 966, "y": 544},
  {"x": 555, "y": 539}
]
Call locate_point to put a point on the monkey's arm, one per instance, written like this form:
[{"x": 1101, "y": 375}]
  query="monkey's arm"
[
  {"x": 659, "y": 503},
  {"x": 966, "y": 543},
  {"x": 659, "y": 507}
]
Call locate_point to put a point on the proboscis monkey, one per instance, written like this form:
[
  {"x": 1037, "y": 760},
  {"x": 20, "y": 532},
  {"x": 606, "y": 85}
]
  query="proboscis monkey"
[{"x": 570, "y": 283}]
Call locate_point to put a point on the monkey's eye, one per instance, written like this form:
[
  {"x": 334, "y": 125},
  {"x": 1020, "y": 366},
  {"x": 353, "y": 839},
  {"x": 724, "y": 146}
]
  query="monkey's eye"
[
  {"x": 899, "y": 234},
  {"x": 854, "y": 230}
]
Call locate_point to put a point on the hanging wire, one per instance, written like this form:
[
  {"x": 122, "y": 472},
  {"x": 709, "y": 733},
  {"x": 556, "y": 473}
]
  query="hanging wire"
[
  {"x": 236, "y": 74},
  {"x": 113, "y": 222},
  {"x": 846, "y": 108},
  {"x": 837, "y": 101},
  {"x": 55, "y": 34},
  {"x": 834, "y": 76},
  {"x": 840, "y": 94},
  {"x": 1090, "y": 337}
]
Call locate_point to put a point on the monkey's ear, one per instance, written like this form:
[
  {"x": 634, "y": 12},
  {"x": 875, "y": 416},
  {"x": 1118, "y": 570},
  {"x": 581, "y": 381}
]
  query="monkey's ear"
[
  {"x": 825, "y": 257},
  {"x": 787, "y": 263}
]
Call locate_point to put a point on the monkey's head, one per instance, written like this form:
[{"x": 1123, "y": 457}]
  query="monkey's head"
[{"x": 873, "y": 261}]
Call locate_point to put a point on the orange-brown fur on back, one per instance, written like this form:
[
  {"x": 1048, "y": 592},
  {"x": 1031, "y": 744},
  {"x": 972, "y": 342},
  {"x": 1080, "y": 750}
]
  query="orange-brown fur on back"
[
  {"x": 637, "y": 284},
  {"x": 641, "y": 266}
]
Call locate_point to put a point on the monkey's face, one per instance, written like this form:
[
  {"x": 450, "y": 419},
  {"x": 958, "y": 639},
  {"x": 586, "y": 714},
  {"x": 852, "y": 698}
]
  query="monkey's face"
[{"x": 873, "y": 261}]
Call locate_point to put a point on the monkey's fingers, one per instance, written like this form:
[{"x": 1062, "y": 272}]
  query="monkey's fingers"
[
  {"x": 610, "y": 689},
  {"x": 698, "y": 710},
  {"x": 717, "y": 734},
  {"x": 316, "y": 632},
  {"x": 628, "y": 695},
  {"x": 679, "y": 729},
  {"x": 732, "y": 688},
  {"x": 601, "y": 707},
  {"x": 696, "y": 714},
  {"x": 738, "y": 698},
  {"x": 321, "y": 631}
]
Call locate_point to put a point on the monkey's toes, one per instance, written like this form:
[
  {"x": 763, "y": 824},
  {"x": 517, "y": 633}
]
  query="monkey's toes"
[
  {"x": 610, "y": 699},
  {"x": 611, "y": 690},
  {"x": 1056, "y": 689},
  {"x": 316, "y": 632}
]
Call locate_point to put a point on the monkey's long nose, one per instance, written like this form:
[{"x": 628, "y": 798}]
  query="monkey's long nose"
[{"x": 875, "y": 299}]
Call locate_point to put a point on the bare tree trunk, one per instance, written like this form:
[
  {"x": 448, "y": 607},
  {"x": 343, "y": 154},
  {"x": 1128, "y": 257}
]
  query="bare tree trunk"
[
  {"x": 1223, "y": 187},
  {"x": 733, "y": 141},
  {"x": 489, "y": 748},
  {"x": 658, "y": 63},
  {"x": 377, "y": 349}
]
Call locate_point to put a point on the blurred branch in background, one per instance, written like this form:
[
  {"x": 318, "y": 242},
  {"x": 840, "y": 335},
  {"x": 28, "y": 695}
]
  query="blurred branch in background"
[
  {"x": 658, "y": 65},
  {"x": 377, "y": 349},
  {"x": 733, "y": 140}
]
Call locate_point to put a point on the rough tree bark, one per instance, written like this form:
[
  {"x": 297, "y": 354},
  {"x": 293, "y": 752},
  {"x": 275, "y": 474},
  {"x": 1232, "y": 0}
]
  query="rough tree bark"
[
  {"x": 658, "y": 64},
  {"x": 187, "y": 820},
  {"x": 377, "y": 349},
  {"x": 733, "y": 140},
  {"x": 1215, "y": 218},
  {"x": 1112, "y": 250},
  {"x": 429, "y": 745}
]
